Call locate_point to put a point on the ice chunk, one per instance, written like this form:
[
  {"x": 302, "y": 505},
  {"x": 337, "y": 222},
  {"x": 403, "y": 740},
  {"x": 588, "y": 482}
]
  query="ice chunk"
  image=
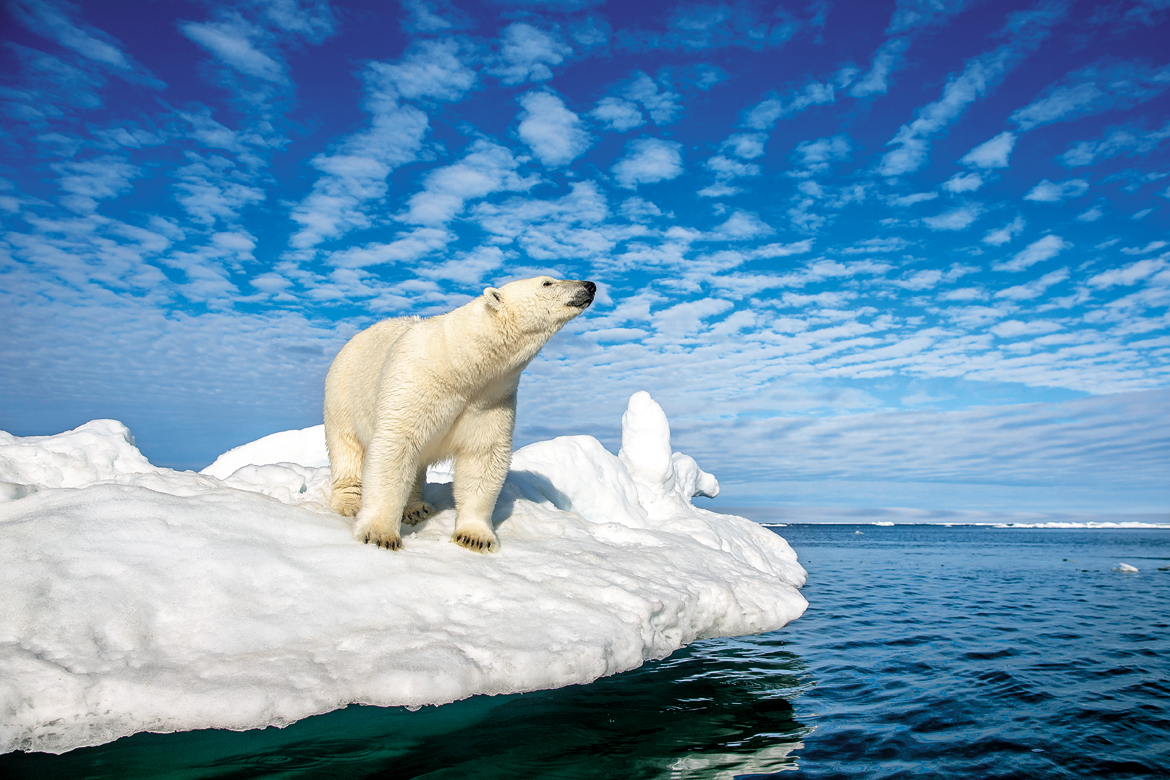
[
  {"x": 666, "y": 481},
  {"x": 139, "y": 598},
  {"x": 646, "y": 444},
  {"x": 1125, "y": 568}
]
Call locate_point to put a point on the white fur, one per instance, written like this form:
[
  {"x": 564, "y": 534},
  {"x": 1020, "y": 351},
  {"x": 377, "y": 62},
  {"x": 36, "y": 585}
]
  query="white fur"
[{"x": 408, "y": 392}]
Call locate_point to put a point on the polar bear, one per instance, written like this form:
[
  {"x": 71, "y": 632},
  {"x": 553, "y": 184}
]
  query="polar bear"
[{"x": 408, "y": 392}]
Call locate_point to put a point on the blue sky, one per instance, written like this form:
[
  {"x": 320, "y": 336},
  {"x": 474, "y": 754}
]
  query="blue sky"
[{"x": 906, "y": 253}]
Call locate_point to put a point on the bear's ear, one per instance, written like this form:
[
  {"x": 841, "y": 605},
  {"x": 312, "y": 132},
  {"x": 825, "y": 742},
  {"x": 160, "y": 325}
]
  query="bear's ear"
[{"x": 493, "y": 298}]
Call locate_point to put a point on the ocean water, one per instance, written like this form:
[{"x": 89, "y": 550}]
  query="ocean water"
[{"x": 927, "y": 651}]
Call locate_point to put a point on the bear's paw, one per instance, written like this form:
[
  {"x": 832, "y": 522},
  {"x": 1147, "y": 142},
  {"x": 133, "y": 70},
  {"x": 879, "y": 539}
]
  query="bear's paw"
[
  {"x": 390, "y": 541},
  {"x": 382, "y": 535},
  {"x": 476, "y": 540},
  {"x": 416, "y": 513}
]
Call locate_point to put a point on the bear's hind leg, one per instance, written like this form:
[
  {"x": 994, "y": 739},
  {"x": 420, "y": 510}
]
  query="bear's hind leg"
[
  {"x": 390, "y": 471},
  {"x": 417, "y": 509},
  {"x": 345, "y": 460}
]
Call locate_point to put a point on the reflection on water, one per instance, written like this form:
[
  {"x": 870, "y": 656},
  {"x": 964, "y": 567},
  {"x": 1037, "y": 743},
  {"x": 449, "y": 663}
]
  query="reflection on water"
[{"x": 717, "y": 709}]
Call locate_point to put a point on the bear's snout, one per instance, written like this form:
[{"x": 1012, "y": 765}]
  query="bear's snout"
[{"x": 584, "y": 297}]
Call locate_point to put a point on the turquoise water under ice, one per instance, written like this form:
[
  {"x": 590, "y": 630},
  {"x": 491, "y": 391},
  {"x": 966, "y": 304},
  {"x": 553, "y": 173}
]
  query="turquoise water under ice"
[{"x": 926, "y": 652}]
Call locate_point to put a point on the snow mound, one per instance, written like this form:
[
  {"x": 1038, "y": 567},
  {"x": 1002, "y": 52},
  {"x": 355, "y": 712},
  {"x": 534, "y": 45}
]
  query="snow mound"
[
  {"x": 98, "y": 451},
  {"x": 305, "y": 447},
  {"x": 143, "y": 599}
]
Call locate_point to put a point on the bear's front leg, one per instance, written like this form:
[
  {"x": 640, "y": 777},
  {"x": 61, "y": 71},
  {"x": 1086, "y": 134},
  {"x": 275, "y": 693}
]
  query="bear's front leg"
[
  {"x": 387, "y": 479},
  {"x": 481, "y": 466}
]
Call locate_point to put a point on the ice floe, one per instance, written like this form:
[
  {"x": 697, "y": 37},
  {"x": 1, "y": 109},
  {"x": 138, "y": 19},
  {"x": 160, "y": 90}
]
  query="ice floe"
[{"x": 139, "y": 598}]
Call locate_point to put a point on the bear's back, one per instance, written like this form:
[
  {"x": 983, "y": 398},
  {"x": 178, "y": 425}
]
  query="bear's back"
[{"x": 353, "y": 376}]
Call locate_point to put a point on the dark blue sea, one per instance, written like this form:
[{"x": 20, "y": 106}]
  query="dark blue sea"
[{"x": 927, "y": 651}]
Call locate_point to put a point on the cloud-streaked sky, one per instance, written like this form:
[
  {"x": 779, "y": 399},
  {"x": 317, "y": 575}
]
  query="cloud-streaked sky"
[{"x": 909, "y": 253}]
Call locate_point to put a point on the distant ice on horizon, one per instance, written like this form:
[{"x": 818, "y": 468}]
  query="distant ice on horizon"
[{"x": 138, "y": 598}]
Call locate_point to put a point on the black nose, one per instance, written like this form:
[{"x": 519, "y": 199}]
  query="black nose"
[{"x": 591, "y": 287}]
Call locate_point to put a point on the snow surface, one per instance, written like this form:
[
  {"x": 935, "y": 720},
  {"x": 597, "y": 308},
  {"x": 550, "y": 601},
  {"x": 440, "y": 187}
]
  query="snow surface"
[{"x": 139, "y": 598}]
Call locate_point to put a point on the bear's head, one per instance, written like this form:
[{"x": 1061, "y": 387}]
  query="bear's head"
[{"x": 542, "y": 304}]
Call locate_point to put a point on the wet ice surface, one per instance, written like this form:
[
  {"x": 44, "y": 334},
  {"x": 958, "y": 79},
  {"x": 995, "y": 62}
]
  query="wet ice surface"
[
  {"x": 926, "y": 652},
  {"x": 144, "y": 599}
]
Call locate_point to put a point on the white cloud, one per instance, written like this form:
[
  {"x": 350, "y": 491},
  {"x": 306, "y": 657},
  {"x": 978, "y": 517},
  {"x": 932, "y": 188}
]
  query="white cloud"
[
  {"x": 719, "y": 190},
  {"x": 52, "y": 21},
  {"x": 355, "y": 171},
  {"x": 648, "y": 160},
  {"x": 1115, "y": 143},
  {"x": 620, "y": 111},
  {"x": 1010, "y": 329},
  {"x": 526, "y": 53},
  {"x": 877, "y": 245},
  {"x": 910, "y": 18},
  {"x": 89, "y": 181},
  {"x": 1034, "y": 288},
  {"x": 552, "y": 132},
  {"x": 430, "y": 69},
  {"x": 663, "y": 107},
  {"x": 1097, "y": 88},
  {"x": 991, "y": 154},
  {"x": 763, "y": 115},
  {"x": 1001, "y": 236},
  {"x": 1091, "y": 215},
  {"x": 963, "y": 182},
  {"x": 920, "y": 280},
  {"x": 885, "y": 60},
  {"x": 405, "y": 248},
  {"x": 617, "y": 114},
  {"x": 486, "y": 168},
  {"x": 214, "y": 188},
  {"x": 956, "y": 219},
  {"x": 685, "y": 319},
  {"x": 1050, "y": 192},
  {"x": 742, "y": 226},
  {"x": 784, "y": 250},
  {"x": 313, "y": 19},
  {"x": 1038, "y": 251},
  {"x": 979, "y": 76},
  {"x": 911, "y": 199},
  {"x": 230, "y": 40},
  {"x": 211, "y": 133},
  {"x": 747, "y": 146},
  {"x": 914, "y": 15},
  {"x": 699, "y": 27},
  {"x": 638, "y": 209},
  {"x": 819, "y": 154},
  {"x": 570, "y": 227},
  {"x": 423, "y": 17},
  {"x": 468, "y": 268},
  {"x": 726, "y": 168},
  {"x": 1153, "y": 246},
  {"x": 1128, "y": 275}
]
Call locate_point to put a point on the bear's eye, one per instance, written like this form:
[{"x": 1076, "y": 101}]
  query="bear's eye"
[{"x": 548, "y": 284}]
